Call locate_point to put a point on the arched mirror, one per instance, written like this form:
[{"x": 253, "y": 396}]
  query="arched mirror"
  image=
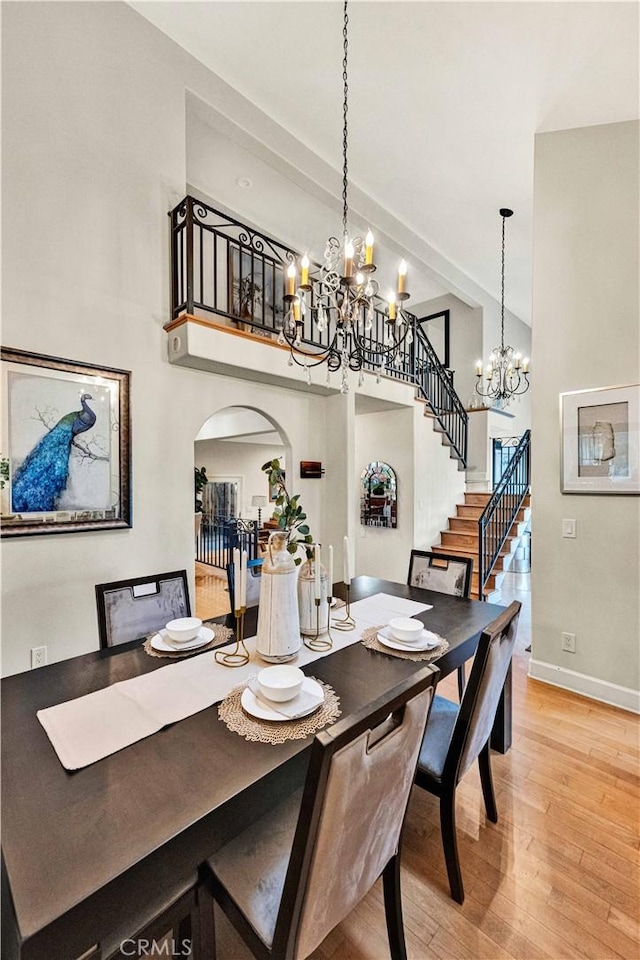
[{"x": 378, "y": 495}]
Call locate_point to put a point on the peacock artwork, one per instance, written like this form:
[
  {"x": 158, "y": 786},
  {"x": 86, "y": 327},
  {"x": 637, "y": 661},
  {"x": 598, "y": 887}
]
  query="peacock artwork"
[{"x": 60, "y": 444}]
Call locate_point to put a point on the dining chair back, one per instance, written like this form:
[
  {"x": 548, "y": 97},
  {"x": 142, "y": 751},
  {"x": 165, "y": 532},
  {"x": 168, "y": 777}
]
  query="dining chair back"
[
  {"x": 132, "y": 609},
  {"x": 458, "y": 734},
  {"x": 444, "y": 574},
  {"x": 296, "y": 873},
  {"x": 440, "y": 572},
  {"x": 254, "y": 573}
]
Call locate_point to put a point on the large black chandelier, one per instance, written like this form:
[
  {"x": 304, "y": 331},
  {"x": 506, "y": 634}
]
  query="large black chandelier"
[
  {"x": 342, "y": 296},
  {"x": 507, "y": 373}
]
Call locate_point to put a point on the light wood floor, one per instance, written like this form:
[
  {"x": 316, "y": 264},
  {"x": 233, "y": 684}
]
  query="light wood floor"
[
  {"x": 212, "y": 595},
  {"x": 558, "y": 876}
]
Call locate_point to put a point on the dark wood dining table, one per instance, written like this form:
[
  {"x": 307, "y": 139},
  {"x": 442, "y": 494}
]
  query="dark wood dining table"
[{"x": 84, "y": 847}]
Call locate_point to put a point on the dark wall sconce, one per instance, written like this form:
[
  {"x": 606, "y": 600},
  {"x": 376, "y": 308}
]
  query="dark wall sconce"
[{"x": 311, "y": 469}]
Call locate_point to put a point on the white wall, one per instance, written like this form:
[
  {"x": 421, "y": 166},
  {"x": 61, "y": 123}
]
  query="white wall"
[
  {"x": 93, "y": 158},
  {"x": 585, "y": 334},
  {"x": 275, "y": 204},
  {"x": 438, "y": 485},
  {"x": 386, "y": 436},
  {"x": 224, "y": 458},
  {"x": 429, "y": 486},
  {"x": 465, "y": 341}
]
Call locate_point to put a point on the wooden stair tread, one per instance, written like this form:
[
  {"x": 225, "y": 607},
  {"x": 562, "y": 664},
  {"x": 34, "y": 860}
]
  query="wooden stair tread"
[{"x": 461, "y": 539}]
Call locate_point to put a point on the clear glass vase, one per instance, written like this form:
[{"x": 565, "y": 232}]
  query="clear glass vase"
[
  {"x": 278, "y": 635},
  {"x": 313, "y": 621}
]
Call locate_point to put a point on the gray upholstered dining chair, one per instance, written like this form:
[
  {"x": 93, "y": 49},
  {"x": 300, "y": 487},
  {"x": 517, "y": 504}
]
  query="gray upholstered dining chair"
[
  {"x": 444, "y": 574},
  {"x": 132, "y": 609},
  {"x": 286, "y": 881},
  {"x": 457, "y": 734}
]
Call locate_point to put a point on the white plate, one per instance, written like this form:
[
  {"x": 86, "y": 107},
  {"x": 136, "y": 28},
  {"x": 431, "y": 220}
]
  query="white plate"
[
  {"x": 164, "y": 644},
  {"x": 261, "y": 711},
  {"x": 428, "y": 641}
]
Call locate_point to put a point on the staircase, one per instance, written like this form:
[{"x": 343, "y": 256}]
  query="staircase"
[
  {"x": 434, "y": 387},
  {"x": 461, "y": 539}
]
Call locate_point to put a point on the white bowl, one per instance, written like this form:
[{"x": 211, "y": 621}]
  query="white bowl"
[
  {"x": 406, "y": 629},
  {"x": 280, "y": 683},
  {"x": 183, "y": 629}
]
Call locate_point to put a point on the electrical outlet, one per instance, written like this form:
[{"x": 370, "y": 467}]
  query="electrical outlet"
[
  {"x": 569, "y": 642},
  {"x": 38, "y": 657}
]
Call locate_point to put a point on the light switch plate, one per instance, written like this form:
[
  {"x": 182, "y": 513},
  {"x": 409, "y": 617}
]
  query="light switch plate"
[{"x": 569, "y": 529}]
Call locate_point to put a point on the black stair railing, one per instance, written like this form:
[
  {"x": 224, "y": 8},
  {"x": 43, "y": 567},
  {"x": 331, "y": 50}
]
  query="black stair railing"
[
  {"x": 435, "y": 385},
  {"x": 224, "y": 267},
  {"x": 499, "y": 515},
  {"x": 219, "y": 536}
]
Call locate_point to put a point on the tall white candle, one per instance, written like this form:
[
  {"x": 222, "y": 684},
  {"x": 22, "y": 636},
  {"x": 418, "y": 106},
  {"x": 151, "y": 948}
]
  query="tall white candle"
[
  {"x": 347, "y": 563},
  {"x": 236, "y": 578},
  {"x": 317, "y": 570},
  {"x": 243, "y": 579},
  {"x": 330, "y": 584}
]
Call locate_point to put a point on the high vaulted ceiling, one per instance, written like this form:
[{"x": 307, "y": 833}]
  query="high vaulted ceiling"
[{"x": 445, "y": 100}]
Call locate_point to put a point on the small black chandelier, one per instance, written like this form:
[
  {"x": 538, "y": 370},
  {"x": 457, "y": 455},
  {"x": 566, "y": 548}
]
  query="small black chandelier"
[
  {"x": 507, "y": 373},
  {"x": 342, "y": 296}
]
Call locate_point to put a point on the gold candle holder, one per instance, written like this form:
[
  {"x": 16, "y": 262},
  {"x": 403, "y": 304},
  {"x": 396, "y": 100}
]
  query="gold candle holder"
[
  {"x": 347, "y": 622},
  {"x": 239, "y": 655},
  {"x": 318, "y": 643}
]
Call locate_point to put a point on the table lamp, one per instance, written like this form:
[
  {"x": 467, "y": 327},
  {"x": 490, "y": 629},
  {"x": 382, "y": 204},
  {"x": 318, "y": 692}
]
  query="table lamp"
[{"x": 259, "y": 502}]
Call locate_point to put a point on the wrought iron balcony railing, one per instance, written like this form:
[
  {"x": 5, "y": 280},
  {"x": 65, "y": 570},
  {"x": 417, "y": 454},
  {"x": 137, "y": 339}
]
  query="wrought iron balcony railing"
[{"x": 225, "y": 268}]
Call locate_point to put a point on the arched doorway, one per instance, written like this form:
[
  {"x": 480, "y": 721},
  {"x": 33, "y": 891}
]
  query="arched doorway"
[{"x": 232, "y": 445}]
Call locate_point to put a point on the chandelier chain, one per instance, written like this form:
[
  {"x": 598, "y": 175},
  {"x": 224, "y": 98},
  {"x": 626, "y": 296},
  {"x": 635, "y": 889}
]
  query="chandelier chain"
[
  {"x": 342, "y": 298},
  {"x": 345, "y": 109}
]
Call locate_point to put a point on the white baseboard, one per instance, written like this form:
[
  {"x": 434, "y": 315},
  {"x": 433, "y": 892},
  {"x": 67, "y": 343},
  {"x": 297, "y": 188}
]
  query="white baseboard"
[{"x": 602, "y": 690}]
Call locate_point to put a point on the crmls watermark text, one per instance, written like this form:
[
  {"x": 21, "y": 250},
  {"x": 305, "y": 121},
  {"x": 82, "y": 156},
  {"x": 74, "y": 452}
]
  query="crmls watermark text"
[{"x": 156, "y": 948}]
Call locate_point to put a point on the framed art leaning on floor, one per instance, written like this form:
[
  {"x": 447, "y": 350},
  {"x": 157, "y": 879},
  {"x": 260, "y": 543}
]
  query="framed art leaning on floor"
[
  {"x": 600, "y": 440},
  {"x": 65, "y": 444}
]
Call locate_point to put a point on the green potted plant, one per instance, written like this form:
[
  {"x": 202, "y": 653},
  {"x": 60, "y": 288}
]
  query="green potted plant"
[
  {"x": 200, "y": 482},
  {"x": 288, "y": 512}
]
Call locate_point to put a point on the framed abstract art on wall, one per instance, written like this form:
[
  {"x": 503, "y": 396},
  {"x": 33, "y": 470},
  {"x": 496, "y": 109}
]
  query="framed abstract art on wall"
[{"x": 600, "y": 446}]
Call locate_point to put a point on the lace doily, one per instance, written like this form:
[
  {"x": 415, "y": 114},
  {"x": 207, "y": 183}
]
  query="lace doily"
[
  {"x": 231, "y": 713},
  {"x": 221, "y": 635},
  {"x": 370, "y": 640}
]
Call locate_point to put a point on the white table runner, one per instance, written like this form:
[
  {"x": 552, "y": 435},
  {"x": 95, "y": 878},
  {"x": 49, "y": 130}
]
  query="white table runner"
[{"x": 89, "y": 728}]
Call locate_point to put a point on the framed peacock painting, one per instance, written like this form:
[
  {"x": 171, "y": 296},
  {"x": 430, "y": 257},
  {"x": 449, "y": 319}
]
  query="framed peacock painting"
[{"x": 66, "y": 436}]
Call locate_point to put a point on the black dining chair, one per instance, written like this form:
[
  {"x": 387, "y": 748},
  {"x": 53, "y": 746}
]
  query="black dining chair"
[
  {"x": 286, "y": 881},
  {"x": 175, "y": 925},
  {"x": 444, "y": 574},
  {"x": 132, "y": 609},
  {"x": 457, "y": 734},
  {"x": 254, "y": 572}
]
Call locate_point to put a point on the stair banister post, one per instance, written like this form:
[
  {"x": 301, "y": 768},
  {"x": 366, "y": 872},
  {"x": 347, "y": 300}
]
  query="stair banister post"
[{"x": 189, "y": 264}]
